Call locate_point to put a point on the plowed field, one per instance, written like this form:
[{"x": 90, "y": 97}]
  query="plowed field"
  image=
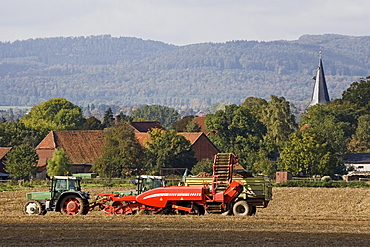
[{"x": 295, "y": 217}]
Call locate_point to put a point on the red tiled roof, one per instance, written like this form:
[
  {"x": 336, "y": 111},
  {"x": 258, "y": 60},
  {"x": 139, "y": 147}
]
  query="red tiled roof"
[
  {"x": 142, "y": 138},
  {"x": 202, "y": 124},
  {"x": 191, "y": 136},
  {"x": 3, "y": 152},
  {"x": 146, "y": 126},
  {"x": 81, "y": 146}
]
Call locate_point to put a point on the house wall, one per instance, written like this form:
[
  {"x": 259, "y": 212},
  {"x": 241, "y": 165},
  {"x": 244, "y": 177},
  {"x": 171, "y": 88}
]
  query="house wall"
[
  {"x": 359, "y": 167},
  {"x": 44, "y": 155},
  {"x": 204, "y": 149},
  {"x": 81, "y": 168},
  {"x": 2, "y": 170}
]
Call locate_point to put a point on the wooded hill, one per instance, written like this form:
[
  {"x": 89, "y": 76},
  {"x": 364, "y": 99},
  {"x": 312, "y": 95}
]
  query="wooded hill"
[{"x": 132, "y": 71}]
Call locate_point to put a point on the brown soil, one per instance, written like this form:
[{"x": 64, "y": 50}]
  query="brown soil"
[{"x": 295, "y": 217}]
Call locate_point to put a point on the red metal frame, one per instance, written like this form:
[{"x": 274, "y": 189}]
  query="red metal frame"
[{"x": 181, "y": 198}]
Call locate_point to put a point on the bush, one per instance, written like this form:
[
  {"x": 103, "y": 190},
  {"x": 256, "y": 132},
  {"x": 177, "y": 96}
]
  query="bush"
[
  {"x": 202, "y": 166},
  {"x": 325, "y": 184}
]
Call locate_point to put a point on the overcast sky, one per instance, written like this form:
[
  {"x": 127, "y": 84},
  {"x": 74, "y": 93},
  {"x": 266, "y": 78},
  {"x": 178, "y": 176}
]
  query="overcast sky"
[{"x": 183, "y": 22}]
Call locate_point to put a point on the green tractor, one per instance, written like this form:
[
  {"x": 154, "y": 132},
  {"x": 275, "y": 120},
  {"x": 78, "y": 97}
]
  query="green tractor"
[{"x": 65, "y": 196}]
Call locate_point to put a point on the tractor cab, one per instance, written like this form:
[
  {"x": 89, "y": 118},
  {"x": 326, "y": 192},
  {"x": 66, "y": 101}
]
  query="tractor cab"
[
  {"x": 144, "y": 183},
  {"x": 60, "y": 184}
]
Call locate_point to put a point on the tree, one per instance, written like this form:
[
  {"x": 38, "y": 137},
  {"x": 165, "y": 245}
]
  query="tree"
[
  {"x": 92, "y": 123},
  {"x": 21, "y": 162},
  {"x": 124, "y": 118},
  {"x": 108, "y": 119},
  {"x": 262, "y": 163},
  {"x": 186, "y": 124},
  {"x": 205, "y": 165},
  {"x": 122, "y": 153},
  {"x": 333, "y": 122},
  {"x": 359, "y": 93},
  {"x": 236, "y": 130},
  {"x": 59, "y": 165},
  {"x": 165, "y": 115},
  {"x": 180, "y": 125},
  {"x": 169, "y": 150},
  {"x": 307, "y": 154},
  {"x": 360, "y": 142},
  {"x": 16, "y": 133},
  {"x": 255, "y": 105},
  {"x": 54, "y": 114},
  {"x": 279, "y": 120}
]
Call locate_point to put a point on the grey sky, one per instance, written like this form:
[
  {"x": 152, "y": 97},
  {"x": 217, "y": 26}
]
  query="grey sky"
[{"x": 183, "y": 21}]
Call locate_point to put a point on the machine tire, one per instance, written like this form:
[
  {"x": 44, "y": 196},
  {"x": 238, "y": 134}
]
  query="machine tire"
[
  {"x": 34, "y": 207},
  {"x": 253, "y": 211},
  {"x": 241, "y": 209},
  {"x": 198, "y": 210},
  {"x": 73, "y": 205}
]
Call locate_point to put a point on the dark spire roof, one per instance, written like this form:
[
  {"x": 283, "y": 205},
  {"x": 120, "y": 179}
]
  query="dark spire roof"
[{"x": 320, "y": 92}]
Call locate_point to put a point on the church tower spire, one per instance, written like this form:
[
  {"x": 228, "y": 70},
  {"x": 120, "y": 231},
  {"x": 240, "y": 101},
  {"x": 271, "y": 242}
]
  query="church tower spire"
[{"x": 320, "y": 92}]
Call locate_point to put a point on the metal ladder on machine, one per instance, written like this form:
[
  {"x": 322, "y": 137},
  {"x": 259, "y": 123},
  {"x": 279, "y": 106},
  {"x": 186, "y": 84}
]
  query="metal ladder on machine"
[{"x": 222, "y": 176}]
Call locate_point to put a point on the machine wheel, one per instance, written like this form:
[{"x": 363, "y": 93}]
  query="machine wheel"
[
  {"x": 73, "y": 205},
  {"x": 254, "y": 210},
  {"x": 119, "y": 205},
  {"x": 34, "y": 207},
  {"x": 241, "y": 208},
  {"x": 198, "y": 210}
]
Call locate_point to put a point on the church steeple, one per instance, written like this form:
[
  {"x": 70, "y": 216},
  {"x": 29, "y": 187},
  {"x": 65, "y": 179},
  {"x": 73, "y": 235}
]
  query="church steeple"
[{"x": 320, "y": 92}]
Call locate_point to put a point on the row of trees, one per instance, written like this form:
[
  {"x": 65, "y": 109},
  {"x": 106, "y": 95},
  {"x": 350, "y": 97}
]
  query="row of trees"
[
  {"x": 263, "y": 133},
  {"x": 122, "y": 152}
]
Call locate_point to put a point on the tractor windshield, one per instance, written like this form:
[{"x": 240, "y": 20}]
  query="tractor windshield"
[
  {"x": 67, "y": 184},
  {"x": 149, "y": 182},
  {"x": 61, "y": 185},
  {"x": 74, "y": 185}
]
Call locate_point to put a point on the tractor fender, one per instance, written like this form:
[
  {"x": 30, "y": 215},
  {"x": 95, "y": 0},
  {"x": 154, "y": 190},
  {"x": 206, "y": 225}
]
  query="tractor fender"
[{"x": 79, "y": 194}]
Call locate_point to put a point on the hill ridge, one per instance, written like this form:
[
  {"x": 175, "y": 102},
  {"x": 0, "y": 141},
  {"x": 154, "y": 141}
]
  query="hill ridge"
[{"x": 131, "y": 71}]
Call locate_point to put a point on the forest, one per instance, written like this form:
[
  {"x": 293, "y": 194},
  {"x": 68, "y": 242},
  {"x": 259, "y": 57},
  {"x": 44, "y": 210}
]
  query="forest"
[{"x": 134, "y": 72}]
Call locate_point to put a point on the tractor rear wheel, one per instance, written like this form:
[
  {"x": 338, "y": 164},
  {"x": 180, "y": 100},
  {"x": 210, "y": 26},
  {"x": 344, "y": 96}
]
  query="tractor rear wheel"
[
  {"x": 73, "y": 205},
  {"x": 241, "y": 208},
  {"x": 34, "y": 207}
]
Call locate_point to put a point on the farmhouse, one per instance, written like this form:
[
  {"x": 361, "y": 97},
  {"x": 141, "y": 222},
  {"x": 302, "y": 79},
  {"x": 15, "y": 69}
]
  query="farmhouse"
[
  {"x": 200, "y": 144},
  {"x": 357, "y": 162},
  {"x": 83, "y": 146}
]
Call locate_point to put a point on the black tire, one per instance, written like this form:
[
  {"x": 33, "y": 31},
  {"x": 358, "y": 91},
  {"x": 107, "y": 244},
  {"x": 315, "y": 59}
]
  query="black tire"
[
  {"x": 73, "y": 205},
  {"x": 253, "y": 211},
  {"x": 198, "y": 210},
  {"x": 34, "y": 207},
  {"x": 241, "y": 209}
]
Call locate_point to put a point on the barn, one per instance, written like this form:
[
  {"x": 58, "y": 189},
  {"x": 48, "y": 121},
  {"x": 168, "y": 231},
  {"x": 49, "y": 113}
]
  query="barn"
[{"x": 83, "y": 146}]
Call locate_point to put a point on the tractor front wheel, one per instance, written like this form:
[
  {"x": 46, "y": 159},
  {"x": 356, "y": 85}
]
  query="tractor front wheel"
[
  {"x": 34, "y": 207},
  {"x": 73, "y": 205}
]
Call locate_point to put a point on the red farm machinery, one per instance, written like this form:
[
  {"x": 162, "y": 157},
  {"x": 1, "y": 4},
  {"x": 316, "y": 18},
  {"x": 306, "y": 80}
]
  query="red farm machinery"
[{"x": 219, "y": 196}]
